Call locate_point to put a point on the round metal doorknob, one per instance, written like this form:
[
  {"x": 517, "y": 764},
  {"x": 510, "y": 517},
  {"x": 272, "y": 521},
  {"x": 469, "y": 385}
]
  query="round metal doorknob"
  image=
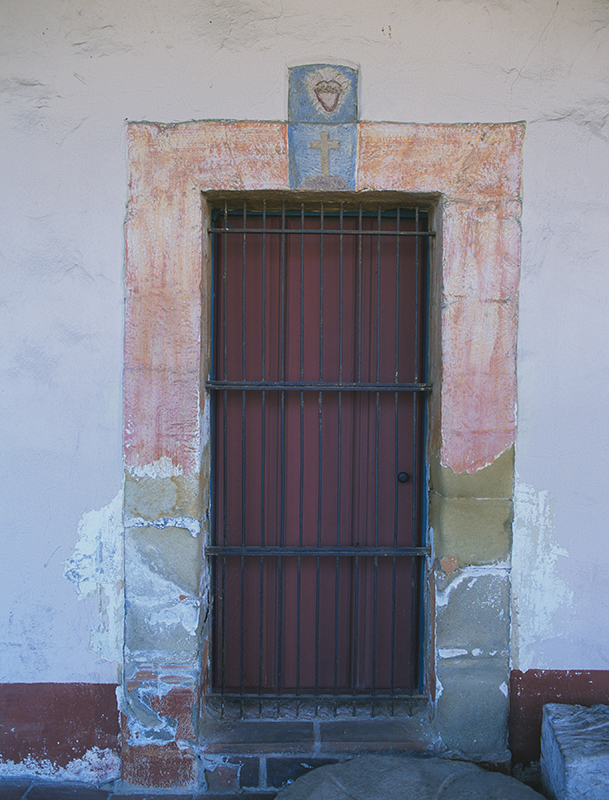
[{"x": 403, "y": 477}]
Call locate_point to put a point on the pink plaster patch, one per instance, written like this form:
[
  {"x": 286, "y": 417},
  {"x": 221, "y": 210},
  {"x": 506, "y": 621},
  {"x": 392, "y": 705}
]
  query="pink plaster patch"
[
  {"x": 449, "y": 564},
  {"x": 170, "y": 167},
  {"x": 477, "y": 171},
  {"x": 474, "y": 170}
]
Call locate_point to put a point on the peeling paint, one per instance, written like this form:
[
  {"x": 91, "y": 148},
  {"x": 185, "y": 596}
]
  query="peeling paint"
[
  {"x": 161, "y": 601},
  {"x": 503, "y": 688},
  {"x": 451, "y": 652},
  {"x": 147, "y": 726},
  {"x": 96, "y": 570},
  {"x": 538, "y": 593},
  {"x": 163, "y": 467},
  {"x": 158, "y": 706},
  {"x": 471, "y": 574},
  {"x": 96, "y": 766},
  {"x": 193, "y": 526}
]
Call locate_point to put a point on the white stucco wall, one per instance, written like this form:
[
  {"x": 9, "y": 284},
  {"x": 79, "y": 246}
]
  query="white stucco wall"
[{"x": 72, "y": 73}]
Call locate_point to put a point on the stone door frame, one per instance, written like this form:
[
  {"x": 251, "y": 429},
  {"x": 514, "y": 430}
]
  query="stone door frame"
[{"x": 471, "y": 177}]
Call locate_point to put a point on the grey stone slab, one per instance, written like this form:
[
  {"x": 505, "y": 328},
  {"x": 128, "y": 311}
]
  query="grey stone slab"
[
  {"x": 472, "y": 707},
  {"x": 575, "y": 752},
  {"x": 259, "y": 732},
  {"x": 473, "y": 612},
  {"x": 394, "y": 731},
  {"x": 405, "y": 778}
]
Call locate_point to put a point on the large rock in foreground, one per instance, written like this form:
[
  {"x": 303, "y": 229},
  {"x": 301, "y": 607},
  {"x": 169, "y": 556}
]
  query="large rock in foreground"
[{"x": 405, "y": 778}]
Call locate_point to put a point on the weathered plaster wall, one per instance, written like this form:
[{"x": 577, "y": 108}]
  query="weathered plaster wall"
[{"x": 71, "y": 75}]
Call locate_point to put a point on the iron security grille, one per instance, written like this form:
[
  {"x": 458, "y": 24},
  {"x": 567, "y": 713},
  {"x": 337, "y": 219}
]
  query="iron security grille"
[{"x": 319, "y": 387}]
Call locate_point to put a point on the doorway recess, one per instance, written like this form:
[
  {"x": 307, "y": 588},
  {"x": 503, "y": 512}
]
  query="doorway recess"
[{"x": 318, "y": 423}]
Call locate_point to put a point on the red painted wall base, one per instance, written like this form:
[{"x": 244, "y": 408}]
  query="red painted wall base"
[
  {"x": 56, "y": 721},
  {"x": 530, "y": 690},
  {"x": 62, "y": 721}
]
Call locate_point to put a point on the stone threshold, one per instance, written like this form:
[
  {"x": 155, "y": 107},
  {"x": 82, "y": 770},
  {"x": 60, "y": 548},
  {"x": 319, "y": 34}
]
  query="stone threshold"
[{"x": 264, "y": 755}]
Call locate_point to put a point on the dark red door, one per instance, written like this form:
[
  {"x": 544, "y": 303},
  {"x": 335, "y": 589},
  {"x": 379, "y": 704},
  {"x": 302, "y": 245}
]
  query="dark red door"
[{"x": 319, "y": 397}]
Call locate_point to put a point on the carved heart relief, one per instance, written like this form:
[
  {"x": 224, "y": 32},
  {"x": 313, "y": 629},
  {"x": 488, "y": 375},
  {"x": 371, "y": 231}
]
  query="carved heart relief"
[{"x": 328, "y": 94}]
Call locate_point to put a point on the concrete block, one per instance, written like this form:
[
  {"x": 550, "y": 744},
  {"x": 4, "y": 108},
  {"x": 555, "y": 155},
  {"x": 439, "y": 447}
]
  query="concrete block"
[
  {"x": 474, "y": 531},
  {"x": 162, "y": 599},
  {"x": 575, "y": 752},
  {"x": 472, "y": 613},
  {"x": 496, "y": 480},
  {"x": 173, "y": 554},
  {"x": 472, "y": 707},
  {"x": 162, "y": 630},
  {"x": 153, "y": 497}
]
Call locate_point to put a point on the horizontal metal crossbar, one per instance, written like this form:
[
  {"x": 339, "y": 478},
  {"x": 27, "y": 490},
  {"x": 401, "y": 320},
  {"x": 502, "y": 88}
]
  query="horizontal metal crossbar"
[
  {"x": 346, "y": 696},
  {"x": 323, "y": 231},
  {"x": 304, "y": 386},
  {"x": 304, "y": 552}
]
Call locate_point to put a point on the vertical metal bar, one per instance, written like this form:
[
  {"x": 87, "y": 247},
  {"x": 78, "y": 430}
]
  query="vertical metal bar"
[
  {"x": 282, "y": 294},
  {"x": 416, "y": 295},
  {"x": 263, "y": 291},
  {"x": 320, "y": 445},
  {"x": 242, "y": 637},
  {"x": 224, "y": 465},
  {"x": 340, "y": 296},
  {"x": 243, "y": 291},
  {"x": 396, "y": 461},
  {"x": 415, "y": 446},
  {"x": 301, "y": 475},
  {"x": 319, "y": 488},
  {"x": 223, "y": 635},
  {"x": 260, "y": 633},
  {"x": 282, "y": 512},
  {"x": 395, "y": 544},
  {"x": 355, "y": 631},
  {"x": 336, "y": 611},
  {"x": 243, "y": 461},
  {"x": 415, "y": 463},
  {"x": 392, "y": 664},
  {"x": 374, "y": 613},
  {"x": 339, "y": 459},
  {"x": 378, "y": 297},
  {"x": 302, "y": 238},
  {"x": 224, "y": 268},
  {"x": 359, "y": 297},
  {"x": 321, "y": 295},
  {"x": 376, "y": 542},
  {"x": 359, "y": 378},
  {"x": 397, "y": 297},
  {"x": 376, "y": 449},
  {"x": 262, "y": 468}
]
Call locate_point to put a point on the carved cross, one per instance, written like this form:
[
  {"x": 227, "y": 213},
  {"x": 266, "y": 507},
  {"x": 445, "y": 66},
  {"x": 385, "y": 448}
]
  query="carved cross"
[{"x": 325, "y": 146}]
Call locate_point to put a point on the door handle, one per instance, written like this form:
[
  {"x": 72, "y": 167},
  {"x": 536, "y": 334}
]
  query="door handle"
[{"x": 403, "y": 477}]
